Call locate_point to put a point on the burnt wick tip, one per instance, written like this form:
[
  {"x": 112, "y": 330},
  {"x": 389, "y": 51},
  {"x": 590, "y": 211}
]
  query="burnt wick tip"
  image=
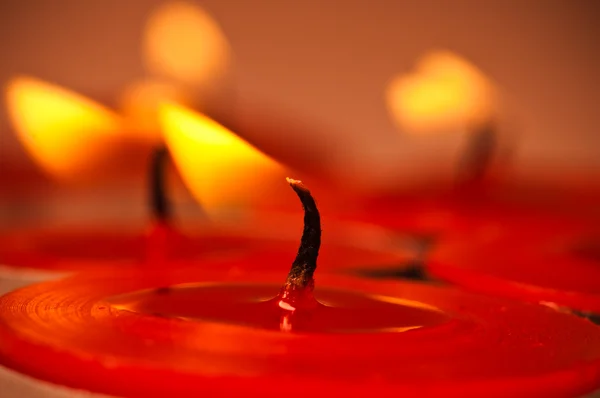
[
  {"x": 305, "y": 264},
  {"x": 159, "y": 203},
  {"x": 296, "y": 184}
]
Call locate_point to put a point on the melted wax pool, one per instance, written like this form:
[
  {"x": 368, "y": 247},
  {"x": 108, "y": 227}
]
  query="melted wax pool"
[{"x": 253, "y": 305}]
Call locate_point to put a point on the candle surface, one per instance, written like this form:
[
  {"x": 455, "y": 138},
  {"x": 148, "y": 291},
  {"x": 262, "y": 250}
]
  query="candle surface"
[{"x": 189, "y": 332}]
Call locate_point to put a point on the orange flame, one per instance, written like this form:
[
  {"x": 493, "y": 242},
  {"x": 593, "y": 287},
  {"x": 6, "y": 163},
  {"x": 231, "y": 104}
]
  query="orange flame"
[
  {"x": 184, "y": 43},
  {"x": 445, "y": 92},
  {"x": 219, "y": 168},
  {"x": 186, "y": 54},
  {"x": 139, "y": 105},
  {"x": 67, "y": 134}
]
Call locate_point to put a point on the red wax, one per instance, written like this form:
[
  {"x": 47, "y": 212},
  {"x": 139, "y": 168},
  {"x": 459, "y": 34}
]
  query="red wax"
[
  {"x": 78, "y": 249},
  {"x": 439, "y": 215},
  {"x": 522, "y": 233},
  {"x": 535, "y": 259},
  {"x": 188, "y": 332},
  {"x": 421, "y": 217}
]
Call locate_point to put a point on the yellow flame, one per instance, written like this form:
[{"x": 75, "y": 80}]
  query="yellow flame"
[
  {"x": 183, "y": 42},
  {"x": 219, "y": 168},
  {"x": 64, "y": 132},
  {"x": 444, "y": 92}
]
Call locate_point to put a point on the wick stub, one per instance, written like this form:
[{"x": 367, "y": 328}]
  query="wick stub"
[
  {"x": 301, "y": 274},
  {"x": 291, "y": 181}
]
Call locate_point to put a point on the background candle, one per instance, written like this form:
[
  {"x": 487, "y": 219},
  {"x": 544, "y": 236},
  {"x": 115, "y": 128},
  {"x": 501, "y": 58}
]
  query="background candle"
[
  {"x": 470, "y": 220},
  {"x": 32, "y": 254},
  {"x": 534, "y": 258}
]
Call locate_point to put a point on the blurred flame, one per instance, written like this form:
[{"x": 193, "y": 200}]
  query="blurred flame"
[
  {"x": 140, "y": 102},
  {"x": 184, "y": 43},
  {"x": 218, "y": 167},
  {"x": 64, "y": 132},
  {"x": 444, "y": 92}
]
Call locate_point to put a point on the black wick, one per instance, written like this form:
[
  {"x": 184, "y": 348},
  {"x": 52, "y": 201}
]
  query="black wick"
[
  {"x": 305, "y": 264},
  {"x": 479, "y": 154},
  {"x": 160, "y": 206}
]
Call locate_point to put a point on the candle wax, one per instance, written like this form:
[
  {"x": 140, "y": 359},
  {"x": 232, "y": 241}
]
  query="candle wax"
[
  {"x": 432, "y": 216},
  {"x": 555, "y": 263},
  {"x": 472, "y": 224},
  {"x": 189, "y": 332},
  {"x": 257, "y": 306},
  {"x": 76, "y": 248}
]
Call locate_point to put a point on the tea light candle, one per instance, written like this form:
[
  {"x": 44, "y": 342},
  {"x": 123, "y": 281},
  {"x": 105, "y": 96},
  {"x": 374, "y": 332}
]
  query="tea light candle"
[
  {"x": 213, "y": 333},
  {"x": 553, "y": 261},
  {"x": 468, "y": 224},
  {"x": 191, "y": 332},
  {"x": 29, "y": 255}
]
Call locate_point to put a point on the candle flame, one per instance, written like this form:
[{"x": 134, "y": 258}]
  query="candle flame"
[
  {"x": 140, "y": 102},
  {"x": 184, "y": 43},
  {"x": 65, "y": 133},
  {"x": 218, "y": 167},
  {"x": 444, "y": 92}
]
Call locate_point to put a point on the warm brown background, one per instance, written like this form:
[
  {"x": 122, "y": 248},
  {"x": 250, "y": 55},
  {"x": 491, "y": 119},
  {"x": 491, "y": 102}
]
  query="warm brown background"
[{"x": 328, "y": 62}]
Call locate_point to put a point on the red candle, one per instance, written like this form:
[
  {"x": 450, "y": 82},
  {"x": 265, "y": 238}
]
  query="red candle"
[
  {"x": 446, "y": 215},
  {"x": 538, "y": 259},
  {"x": 468, "y": 227},
  {"x": 68, "y": 248},
  {"x": 58, "y": 250},
  {"x": 419, "y": 221},
  {"x": 222, "y": 335},
  {"x": 193, "y": 332},
  {"x": 427, "y": 219}
]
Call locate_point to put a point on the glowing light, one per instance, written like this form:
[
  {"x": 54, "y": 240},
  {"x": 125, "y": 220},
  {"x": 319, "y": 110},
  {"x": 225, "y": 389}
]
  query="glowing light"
[
  {"x": 67, "y": 134},
  {"x": 140, "y": 102},
  {"x": 285, "y": 325},
  {"x": 219, "y": 168},
  {"x": 183, "y": 42},
  {"x": 444, "y": 92},
  {"x": 286, "y": 306},
  {"x": 405, "y": 302}
]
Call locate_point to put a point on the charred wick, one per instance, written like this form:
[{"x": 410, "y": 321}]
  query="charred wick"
[
  {"x": 159, "y": 203},
  {"x": 479, "y": 154},
  {"x": 305, "y": 264}
]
